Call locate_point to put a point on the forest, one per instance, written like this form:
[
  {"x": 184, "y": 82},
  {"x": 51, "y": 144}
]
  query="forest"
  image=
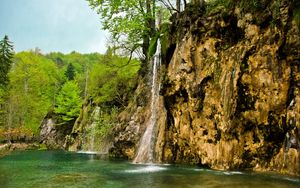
[
  {"x": 37, "y": 84},
  {"x": 34, "y": 84},
  {"x": 189, "y": 93}
]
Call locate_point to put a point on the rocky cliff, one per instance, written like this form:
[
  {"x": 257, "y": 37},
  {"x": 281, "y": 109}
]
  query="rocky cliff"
[
  {"x": 54, "y": 131},
  {"x": 230, "y": 96}
]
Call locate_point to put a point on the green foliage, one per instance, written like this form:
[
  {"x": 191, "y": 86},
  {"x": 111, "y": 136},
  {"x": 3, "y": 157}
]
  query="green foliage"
[
  {"x": 218, "y": 5},
  {"x": 164, "y": 38},
  {"x": 70, "y": 72},
  {"x": 214, "y": 6},
  {"x": 152, "y": 46},
  {"x": 296, "y": 14},
  {"x": 81, "y": 63},
  {"x": 6, "y": 54},
  {"x": 254, "y": 5},
  {"x": 33, "y": 84},
  {"x": 38, "y": 84},
  {"x": 68, "y": 101},
  {"x": 131, "y": 23},
  {"x": 42, "y": 147},
  {"x": 2, "y": 94},
  {"x": 111, "y": 82},
  {"x": 78, "y": 61},
  {"x": 106, "y": 122},
  {"x": 3, "y": 106}
]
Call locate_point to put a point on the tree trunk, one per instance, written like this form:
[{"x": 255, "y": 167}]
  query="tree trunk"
[
  {"x": 178, "y": 5},
  {"x": 148, "y": 33},
  {"x": 10, "y": 112},
  {"x": 202, "y": 3},
  {"x": 86, "y": 83},
  {"x": 149, "y": 26}
]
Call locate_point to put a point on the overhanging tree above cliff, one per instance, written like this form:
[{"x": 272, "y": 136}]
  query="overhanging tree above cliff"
[{"x": 130, "y": 22}]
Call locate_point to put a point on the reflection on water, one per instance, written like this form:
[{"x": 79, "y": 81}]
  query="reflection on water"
[{"x": 64, "y": 169}]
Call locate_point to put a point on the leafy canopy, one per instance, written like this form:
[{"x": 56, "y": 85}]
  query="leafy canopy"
[
  {"x": 110, "y": 82},
  {"x": 130, "y": 22},
  {"x": 32, "y": 88},
  {"x": 68, "y": 101}
]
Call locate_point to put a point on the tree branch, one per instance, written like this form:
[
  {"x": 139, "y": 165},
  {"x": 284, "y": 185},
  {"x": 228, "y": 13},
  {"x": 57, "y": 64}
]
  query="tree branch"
[{"x": 169, "y": 6}]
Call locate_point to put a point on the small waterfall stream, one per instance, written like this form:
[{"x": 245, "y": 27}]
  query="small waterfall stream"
[
  {"x": 146, "y": 147},
  {"x": 89, "y": 138}
]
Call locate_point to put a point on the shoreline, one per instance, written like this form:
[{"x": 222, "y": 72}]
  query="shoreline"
[{"x": 6, "y": 148}]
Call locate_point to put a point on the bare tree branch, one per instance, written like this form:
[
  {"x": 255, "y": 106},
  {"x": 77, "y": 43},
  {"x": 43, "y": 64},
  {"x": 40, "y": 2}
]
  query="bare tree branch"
[{"x": 169, "y": 5}]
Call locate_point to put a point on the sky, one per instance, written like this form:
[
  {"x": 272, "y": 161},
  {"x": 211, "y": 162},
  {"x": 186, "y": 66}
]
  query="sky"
[{"x": 52, "y": 25}]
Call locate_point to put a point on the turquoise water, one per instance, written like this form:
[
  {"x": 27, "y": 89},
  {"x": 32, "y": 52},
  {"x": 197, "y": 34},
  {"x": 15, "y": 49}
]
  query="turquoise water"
[{"x": 65, "y": 169}]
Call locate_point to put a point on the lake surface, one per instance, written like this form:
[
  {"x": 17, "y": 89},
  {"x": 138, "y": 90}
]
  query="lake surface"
[{"x": 65, "y": 169}]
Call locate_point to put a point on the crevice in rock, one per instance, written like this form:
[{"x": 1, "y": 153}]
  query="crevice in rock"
[
  {"x": 290, "y": 102},
  {"x": 169, "y": 54},
  {"x": 200, "y": 92},
  {"x": 245, "y": 101},
  {"x": 275, "y": 132},
  {"x": 266, "y": 22},
  {"x": 230, "y": 34},
  {"x": 218, "y": 135},
  {"x": 244, "y": 62}
]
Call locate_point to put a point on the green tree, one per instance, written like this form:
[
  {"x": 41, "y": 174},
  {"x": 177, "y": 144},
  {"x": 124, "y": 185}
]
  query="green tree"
[
  {"x": 6, "y": 54},
  {"x": 33, "y": 83},
  {"x": 3, "y": 106},
  {"x": 68, "y": 101},
  {"x": 112, "y": 81},
  {"x": 130, "y": 22},
  {"x": 70, "y": 72}
]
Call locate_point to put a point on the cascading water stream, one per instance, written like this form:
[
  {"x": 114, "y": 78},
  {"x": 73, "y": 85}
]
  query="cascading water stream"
[
  {"x": 89, "y": 141},
  {"x": 145, "y": 150}
]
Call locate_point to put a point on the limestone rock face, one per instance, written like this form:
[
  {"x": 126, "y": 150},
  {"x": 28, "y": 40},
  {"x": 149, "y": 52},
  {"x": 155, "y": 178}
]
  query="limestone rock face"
[
  {"x": 132, "y": 124},
  {"x": 230, "y": 96},
  {"x": 52, "y": 134},
  {"x": 83, "y": 136}
]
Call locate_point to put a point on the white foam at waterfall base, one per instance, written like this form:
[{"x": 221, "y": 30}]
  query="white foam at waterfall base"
[
  {"x": 146, "y": 169},
  {"x": 232, "y": 172},
  {"x": 88, "y": 152}
]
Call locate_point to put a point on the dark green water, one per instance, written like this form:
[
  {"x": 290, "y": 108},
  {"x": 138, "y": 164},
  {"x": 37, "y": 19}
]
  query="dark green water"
[{"x": 63, "y": 169}]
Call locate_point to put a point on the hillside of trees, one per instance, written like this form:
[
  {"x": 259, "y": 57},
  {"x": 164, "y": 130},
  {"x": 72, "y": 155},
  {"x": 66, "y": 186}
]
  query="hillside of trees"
[{"x": 35, "y": 84}]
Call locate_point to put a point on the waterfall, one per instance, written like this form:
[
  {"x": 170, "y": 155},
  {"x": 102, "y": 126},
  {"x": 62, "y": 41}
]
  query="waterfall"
[
  {"x": 146, "y": 147},
  {"x": 91, "y": 146},
  {"x": 90, "y": 133}
]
